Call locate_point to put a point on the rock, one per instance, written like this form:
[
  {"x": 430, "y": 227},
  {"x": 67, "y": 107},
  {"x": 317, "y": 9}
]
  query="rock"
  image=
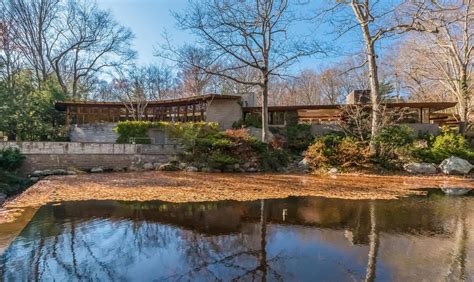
[
  {"x": 206, "y": 169},
  {"x": 192, "y": 169},
  {"x": 251, "y": 169},
  {"x": 182, "y": 165},
  {"x": 97, "y": 170},
  {"x": 34, "y": 179},
  {"x": 236, "y": 166},
  {"x": 257, "y": 133},
  {"x": 420, "y": 168},
  {"x": 71, "y": 172},
  {"x": 157, "y": 165},
  {"x": 455, "y": 165},
  {"x": 134, "y": 168},
  {"x": 59, "y": 172},
  {"x": 37, "y": 173},
  {"x": 215, "y": 170},
  {"x": 168, "y": 167},
  {"x": 333, "y": 171},
  {"x": 3, "y": 197},
  {"x": 456, "y": 191},
  {"x": 47, "y": 172},
  {"x": 148, "y": 166},
  {"x": 303, "y": 164}
]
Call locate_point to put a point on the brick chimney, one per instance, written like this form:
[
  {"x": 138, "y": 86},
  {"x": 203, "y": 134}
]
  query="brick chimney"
[{"x": 358, "y": 97}]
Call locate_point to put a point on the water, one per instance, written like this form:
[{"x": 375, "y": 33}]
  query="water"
[{"x": 294, "y": 239}]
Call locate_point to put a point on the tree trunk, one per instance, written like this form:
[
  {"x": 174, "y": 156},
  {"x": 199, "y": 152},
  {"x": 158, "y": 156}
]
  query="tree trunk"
[
  {"x": 265, "y": 108},
  {"x": 463, "y": 104},
  {"x": 374, "y": 97}
]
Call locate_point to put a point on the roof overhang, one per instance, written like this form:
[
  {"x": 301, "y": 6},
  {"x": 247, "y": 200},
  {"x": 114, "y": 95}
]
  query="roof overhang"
[{"x": 62, "y": 105}]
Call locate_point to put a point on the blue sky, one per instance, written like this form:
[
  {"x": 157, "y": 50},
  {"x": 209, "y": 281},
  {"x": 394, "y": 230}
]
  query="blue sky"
[{"x": 148, "y": 19}]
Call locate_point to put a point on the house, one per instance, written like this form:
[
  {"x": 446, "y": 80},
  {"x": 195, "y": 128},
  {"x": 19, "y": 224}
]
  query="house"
[{"x": 94, "y": 121}]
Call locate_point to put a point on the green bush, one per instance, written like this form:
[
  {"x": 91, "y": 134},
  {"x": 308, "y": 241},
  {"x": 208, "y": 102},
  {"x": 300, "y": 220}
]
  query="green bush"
[
  {"x": 250, "y": 120},
  {"x": 11, "y": 159},
  {"x": 443, "y": 146},
  {"x": 220, "y": 160},
  {"x": 274, "y": 160},
  {"x": 138, "y": 130},
  {"x": 11, "y": 184},
  {"x": 395, "y": 136},
  {"x": 299, "y": 137}
]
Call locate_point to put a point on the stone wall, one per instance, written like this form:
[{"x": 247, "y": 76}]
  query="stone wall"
[
  {"x": 96, "y": 132},
  {"x": 84, "y": 156},
  {"x": 224, "y": 112}
]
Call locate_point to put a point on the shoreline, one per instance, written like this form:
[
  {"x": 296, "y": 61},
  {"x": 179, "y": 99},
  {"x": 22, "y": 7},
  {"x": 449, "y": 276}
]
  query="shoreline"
[{"x": 193, "y": 187}]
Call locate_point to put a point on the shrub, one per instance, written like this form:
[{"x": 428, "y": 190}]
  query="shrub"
[
  {"x": 250, "y": 120},
  {"x": 11, "y": 159},
  {"x": 11, "y": 184},
  {"x": 443, "y": 146},
  {"x": 336, "y": 150},
  {"x": 273, "y": 160},
  {"x": 133, "y": 129},
  {"x": 395, "y": 136},
  {"x": 220, "y": 160},
  {"x": 299, "y": 137}
]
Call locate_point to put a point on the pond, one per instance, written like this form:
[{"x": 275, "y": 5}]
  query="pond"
[{"x": 297, "y": 239}]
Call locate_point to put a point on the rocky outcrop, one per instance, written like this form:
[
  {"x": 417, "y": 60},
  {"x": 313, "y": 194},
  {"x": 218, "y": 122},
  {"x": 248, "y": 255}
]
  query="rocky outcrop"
[
  {"x": 421, "y": 168},
  {"x": 455, "y": 165},
  {"x": 168, "y": 167},
  {"x": 192, "y": 169},
  {"x": 97, "y": 170}
]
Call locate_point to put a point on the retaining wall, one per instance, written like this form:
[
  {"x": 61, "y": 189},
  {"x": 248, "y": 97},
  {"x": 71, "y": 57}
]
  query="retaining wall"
[{"x": 84, "y": 156}]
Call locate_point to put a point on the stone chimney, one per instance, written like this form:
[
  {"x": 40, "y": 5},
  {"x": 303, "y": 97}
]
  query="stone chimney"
[{"x": 358, "y": 97}]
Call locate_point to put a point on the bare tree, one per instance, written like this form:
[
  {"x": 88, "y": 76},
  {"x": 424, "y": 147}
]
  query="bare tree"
[
  {"x": 377, "y": 23},
  {"x": 87, "y": 41},
  {"x": 30, "y": 23},
  {"x": 449, "y": 53},
  {"x": 249, "y": 34},
  {"x": 194, "y": 79}
]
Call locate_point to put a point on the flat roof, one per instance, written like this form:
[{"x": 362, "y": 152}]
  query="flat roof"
[
  {"x": 62, "y": 105},
  {"x": 431, "y": 105}
]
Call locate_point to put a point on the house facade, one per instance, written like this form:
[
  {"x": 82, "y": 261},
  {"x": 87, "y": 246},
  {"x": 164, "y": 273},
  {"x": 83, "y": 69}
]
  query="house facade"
[{"x": 94, "y": 121}]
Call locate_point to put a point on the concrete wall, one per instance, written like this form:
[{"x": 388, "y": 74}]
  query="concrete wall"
[
  {"x": 225, "y": 112},
  {"x": 423, "y": 128},
  {"x": 322, "y": 129},
  {"x": 55, "y": 155},
  {"x": 97, "y": 132}
]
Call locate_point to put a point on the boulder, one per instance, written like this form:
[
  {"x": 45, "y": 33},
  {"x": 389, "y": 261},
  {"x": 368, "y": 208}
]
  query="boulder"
[
  {"x": 59, "y": 172},
  {"x": 3, "y": 197},
  {"x": 192, "y": 169},
  {"x": 34, "y": 179},
  {"x": 148, "y": 166},
  {"x": 157, "y": 165},
  {"x": 168, "y": 167},
  {"x": 455, "y": 165},
  {"x": 420, "y": 168},
  {"x": 182, "y": 165},
  {"x": 37, "y": 173},
  {"x": 97, "y": 170},
  {"x": 71, "y": 172},
  {"x": 134, "y": 168},
  {"x": 47, "y": 172},
  {"x": 333, "y": 171},
  {"x": 206, "y": 169},
  {"x": 303, "y": 164},
  {"x": 456, "y": 191},
  {"x": 257, "y": 133}
]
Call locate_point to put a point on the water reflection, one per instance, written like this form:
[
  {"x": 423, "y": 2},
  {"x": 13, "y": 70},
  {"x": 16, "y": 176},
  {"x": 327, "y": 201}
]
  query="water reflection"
[{"x": 286, "y": 239}]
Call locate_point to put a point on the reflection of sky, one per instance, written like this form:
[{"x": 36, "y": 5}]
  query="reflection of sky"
[
  {"x": 110, "y": 250},
  {"x": 67, "y": 243}
]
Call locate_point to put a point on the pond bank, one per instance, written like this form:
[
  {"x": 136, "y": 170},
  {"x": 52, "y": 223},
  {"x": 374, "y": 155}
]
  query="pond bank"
[{"x": 196, "y": 187}]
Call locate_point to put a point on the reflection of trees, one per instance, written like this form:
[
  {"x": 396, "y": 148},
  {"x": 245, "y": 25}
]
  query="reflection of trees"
[
  {"x": 373, "y": 244},
  {"x": 233, "y": 254},
  {"x": 457, "y": 268}
]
